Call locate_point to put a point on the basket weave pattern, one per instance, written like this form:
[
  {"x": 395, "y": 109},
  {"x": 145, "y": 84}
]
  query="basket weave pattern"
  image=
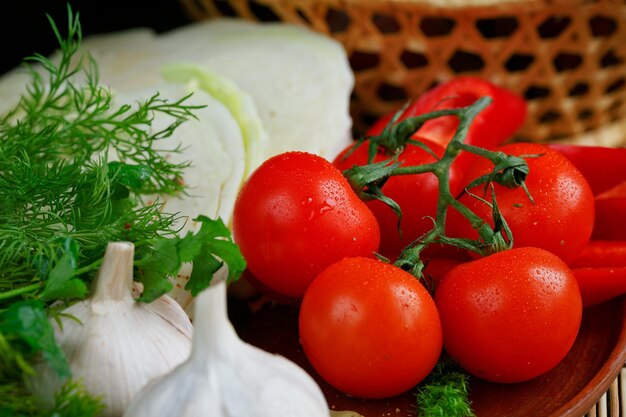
[{"x": 566, "y": 57}]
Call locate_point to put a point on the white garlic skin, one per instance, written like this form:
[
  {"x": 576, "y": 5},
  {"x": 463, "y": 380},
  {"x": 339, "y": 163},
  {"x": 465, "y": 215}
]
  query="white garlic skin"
[
  {"x": 226, "y": 377},
  {"x": 120, "y": 345}
]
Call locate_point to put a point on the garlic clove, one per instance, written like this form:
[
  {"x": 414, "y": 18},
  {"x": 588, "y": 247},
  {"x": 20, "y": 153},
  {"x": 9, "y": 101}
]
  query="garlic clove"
[
  {"x": 114, "y": 344},
  {"x": 226, "y": 377}
]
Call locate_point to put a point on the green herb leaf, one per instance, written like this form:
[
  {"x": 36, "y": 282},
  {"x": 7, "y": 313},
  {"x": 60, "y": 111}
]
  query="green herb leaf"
[
  {"x": 73, "y": 400},
  {"x": 55, "y": 179},
  {"x": 132, "y": 176},
  {"x": 27, "y": 322},
  {"x": 62, "y": 282},
  {"x": 445, "y": 391},
  {"x": 217, "y": 248},
  {"x": 62, "y": 201},
  {"x": 163, "y": 261},
  {"x": 208, "y": 249}
]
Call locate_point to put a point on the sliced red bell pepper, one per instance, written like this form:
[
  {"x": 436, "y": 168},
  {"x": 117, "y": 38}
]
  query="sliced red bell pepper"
[
  {"x": 610, "y": 221},
  {"x": 603, "y": 167},
  {"x": 602, "y": 254},
  {"x": 493, "y": 126},
  {"x": 601, "y": 271},
  {"x": 598, "y": 285}
]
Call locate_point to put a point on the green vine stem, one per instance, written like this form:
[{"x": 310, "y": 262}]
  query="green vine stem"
[{"x": 508, "y": 170}]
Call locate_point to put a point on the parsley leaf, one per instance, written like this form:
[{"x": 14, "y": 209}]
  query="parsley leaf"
[
  {"x": 208, "y": 249},
  {"x": 26, "y": 322},
  {"x": 62, "y": 281}
]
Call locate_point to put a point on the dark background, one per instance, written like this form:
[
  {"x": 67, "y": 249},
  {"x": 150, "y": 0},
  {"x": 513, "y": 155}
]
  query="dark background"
[{"x": 25, "y": 28}]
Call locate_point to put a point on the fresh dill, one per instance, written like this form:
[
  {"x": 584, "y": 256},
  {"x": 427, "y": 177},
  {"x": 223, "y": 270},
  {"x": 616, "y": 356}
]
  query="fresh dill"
[
  {"x": 445, "y": 392},
  {"x": 75, "y": 171},
  {"x": 56, "y": 179}
]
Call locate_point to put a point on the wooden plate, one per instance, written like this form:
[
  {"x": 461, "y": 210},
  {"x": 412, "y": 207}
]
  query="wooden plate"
[{"x": 570, "y": 389}]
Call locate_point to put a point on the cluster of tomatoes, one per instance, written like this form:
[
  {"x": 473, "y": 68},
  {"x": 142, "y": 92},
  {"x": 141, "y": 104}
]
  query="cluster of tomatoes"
[{"x": 372, "y": 329}]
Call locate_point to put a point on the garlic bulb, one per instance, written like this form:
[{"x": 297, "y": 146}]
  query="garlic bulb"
[
  {"x": 226, "y": 377},
  {"x": 119, "y": 345}
]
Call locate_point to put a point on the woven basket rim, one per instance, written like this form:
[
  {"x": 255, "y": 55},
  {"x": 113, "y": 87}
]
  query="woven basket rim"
[{"x": 462, "y": 3}]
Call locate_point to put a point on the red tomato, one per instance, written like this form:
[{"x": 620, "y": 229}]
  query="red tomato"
[
  {"x": 562, "y": 216},
  {"x": 369, "y": 328},
  {"x": 296, "y": 215},
  {"x": 510, "y": 316},
  {"x": 416, "y": 194}
]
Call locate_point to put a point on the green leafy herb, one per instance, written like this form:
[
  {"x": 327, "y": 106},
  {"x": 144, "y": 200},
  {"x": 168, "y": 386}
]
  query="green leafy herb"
[
  {"x": 214, "y": 238},
  {"x": 208, "y": 250},
  {"x": 75, "y": 171},
  {"x": 27, "y": 323},
  {"x": 71, "y": 401},
  {"x": 61, "y": 282},
  {"x": 444, "y": 393}
]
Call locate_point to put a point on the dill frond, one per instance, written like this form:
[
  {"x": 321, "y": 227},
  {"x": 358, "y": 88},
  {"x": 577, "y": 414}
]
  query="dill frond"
[
  {"x": 445, "y": 392},
  {"x": 74, "y": 173},
  {"x": 57, "y": 172}
]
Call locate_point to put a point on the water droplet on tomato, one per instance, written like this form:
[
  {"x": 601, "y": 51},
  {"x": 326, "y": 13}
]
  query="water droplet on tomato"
[{"x": 327, "y": 205}]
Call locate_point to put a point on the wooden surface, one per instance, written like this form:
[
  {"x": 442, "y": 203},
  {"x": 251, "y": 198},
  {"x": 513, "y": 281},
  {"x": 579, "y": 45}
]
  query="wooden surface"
[
  {"x": 588, "y": 382},
  {"x": 613, "y": 402}
]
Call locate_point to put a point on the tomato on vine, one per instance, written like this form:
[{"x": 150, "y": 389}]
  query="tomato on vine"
[
  {"x": 369, "y": 328},
  {"x": 559, "y": 218},
  {"x": 297, "y": 214},
  {"x": 416, "y": 194},
  {"x": 510, "y": 316},
  {"x": 493, "y": 126}
]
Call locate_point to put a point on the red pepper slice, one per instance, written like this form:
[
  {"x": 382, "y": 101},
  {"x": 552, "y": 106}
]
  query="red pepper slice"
[
  {"x": 494, "y": 125},
  {"x": 610, "y": 212},
  {"x": 602, "y": 254},
  {"x": 603, "y": 167},
  {"x": 601, "y": 271},
  {"x": 598, "y": 285}
]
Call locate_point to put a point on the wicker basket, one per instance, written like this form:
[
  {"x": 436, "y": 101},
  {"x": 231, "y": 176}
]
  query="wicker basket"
[{"x": 566, "y": 57}]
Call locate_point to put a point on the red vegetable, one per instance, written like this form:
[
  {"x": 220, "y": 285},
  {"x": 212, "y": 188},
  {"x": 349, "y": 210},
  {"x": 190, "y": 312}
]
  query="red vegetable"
[
  {"x": 295, "y": 216},
  {"x": 601, "y": 253},
  {"x": 416, "y": 194},
  {"x": 610, "y": 211},
  {"x": 560, "y": 219},
  {"x": 603, "y": 167},
  {"x": 492, "y": 126},
  {"x": 600, "y": 284},
  {"x": 369, "y": 328},
  {"x": 601, "y": 271},
  {"x": 510, "y": 316},
  {"x": 437, "y": 267}
]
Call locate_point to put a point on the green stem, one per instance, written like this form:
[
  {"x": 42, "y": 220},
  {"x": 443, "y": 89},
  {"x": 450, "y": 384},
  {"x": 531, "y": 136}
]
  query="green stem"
[
  {"x": 508, "y": 170},
  {"x": 88, "y": 268},
  {"x": 20, "y": 291}
]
